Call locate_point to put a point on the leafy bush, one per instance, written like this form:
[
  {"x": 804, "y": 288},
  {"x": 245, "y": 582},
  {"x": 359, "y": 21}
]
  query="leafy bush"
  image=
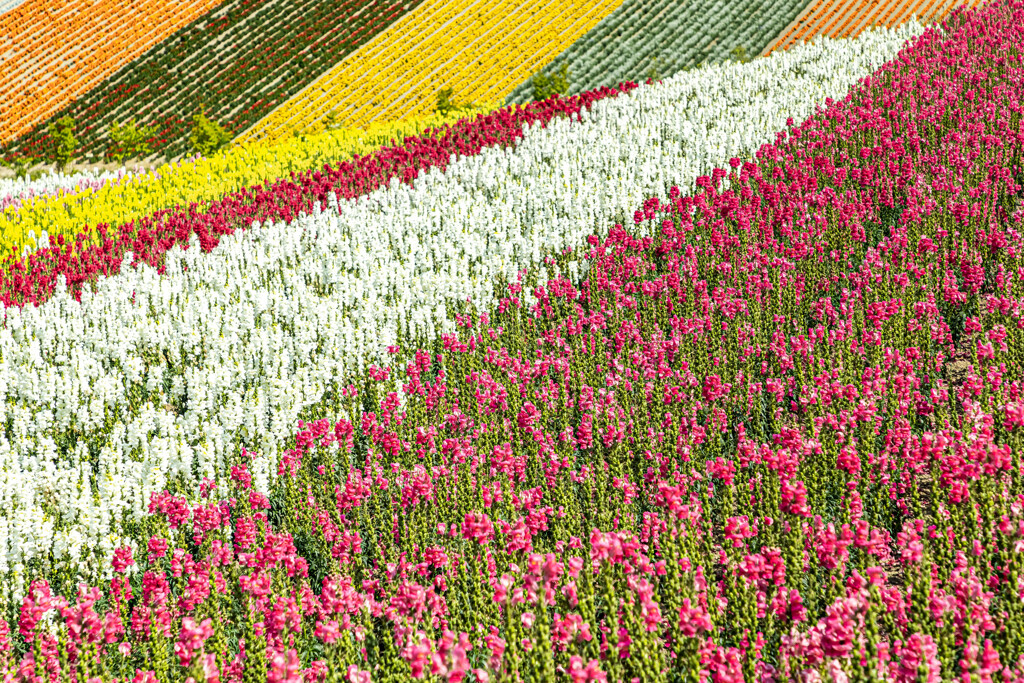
[
  {"x": 544, "y": 86},
  {"x": 129, "y": 140},
  {"x": 331, "y": 121},
  {"x": 446, "y": 104},
  {"x": 63, "y": 142},
  {"x": 656, "y": 68},
  {"x": 739, "y": 54},
  {"x": 207, "y": 136}
]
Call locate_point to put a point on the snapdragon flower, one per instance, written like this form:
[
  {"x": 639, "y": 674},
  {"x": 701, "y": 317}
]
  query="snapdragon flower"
[{"x": 163, "y": 378}]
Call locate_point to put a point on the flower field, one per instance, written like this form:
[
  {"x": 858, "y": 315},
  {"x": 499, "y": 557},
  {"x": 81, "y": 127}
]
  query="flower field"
[
  {"x": 657, "y": 38},
  {"x": 843, "y": 20},
  {"x": 51, "y": 52},
  {"x": 8, "y": 5},
  {"x": 213, "y": 63},
  {"x": 73, "y": 209},
  {"x": 713, "y": 378},
  {"x": 479, "y": 48}
]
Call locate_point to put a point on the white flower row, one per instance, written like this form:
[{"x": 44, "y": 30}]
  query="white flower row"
[{"x": 155, "y": 378}]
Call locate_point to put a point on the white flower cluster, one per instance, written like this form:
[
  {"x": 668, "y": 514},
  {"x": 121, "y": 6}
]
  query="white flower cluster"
[{"x": 154, "y": 379}]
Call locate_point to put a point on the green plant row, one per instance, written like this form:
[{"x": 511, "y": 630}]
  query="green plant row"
[
  {"x": 657, "y": 38},
  {"x": 236, "y": 64}
]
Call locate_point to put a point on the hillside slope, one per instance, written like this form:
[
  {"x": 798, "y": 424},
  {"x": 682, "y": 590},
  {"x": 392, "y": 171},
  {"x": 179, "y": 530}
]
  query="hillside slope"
[
  {"x": 479, "y": 48},
  {"x": 847, "y": 18},
  {"x": 52, "y": 51},
  {"x": 645, "y": 38},
  {"x": 215, "y": 63}
]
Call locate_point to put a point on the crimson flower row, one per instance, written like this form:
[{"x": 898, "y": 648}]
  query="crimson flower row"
[{"x": 33, "y": 280}]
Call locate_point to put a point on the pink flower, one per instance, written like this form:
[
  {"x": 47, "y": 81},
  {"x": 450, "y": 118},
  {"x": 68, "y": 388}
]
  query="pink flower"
[
  {"x": 848, "y": 460},
  {"x": 357, "y": 675},
  {"x": 284, "y": 668},
  {"x": 157, "y": 548},
  {"x": 192, "y": 638},
  {"x": 714, "y": 388},
  {"x": 122, "y": 559},
  {"x": 580, "y": 673},
  {"x": 210, "y": 670},
  {"x": 327, "y": 631},
  {"x": 528, "y": 416},
  {"x": 477, "y": 527},
  {"x": 737, "y": 529},
  {"x": 694, "y": 619},
  {"x": 240, "y": 474},
  {"x": 794, "y": 499},
  {"x": 920, "y": 652}
]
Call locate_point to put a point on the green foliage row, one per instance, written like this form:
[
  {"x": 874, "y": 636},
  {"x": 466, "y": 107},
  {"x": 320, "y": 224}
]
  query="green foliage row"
[
  {"x": 654, "y": 39},
  {"x": 127, "y": 141}
]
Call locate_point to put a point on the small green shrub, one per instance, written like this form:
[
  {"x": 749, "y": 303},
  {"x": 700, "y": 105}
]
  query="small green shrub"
[
  {"x": 331, "y": 120},
  {"x": 207, "y": 137},
  {"x": 129, "y": 140},
  {"x": 544, "y": 86},
  {"x": 445, "y": 103},
  {"x": 63, "y": 142},
  {"x": 656, "y": 68},
  {"x": 739, "y": 54}
]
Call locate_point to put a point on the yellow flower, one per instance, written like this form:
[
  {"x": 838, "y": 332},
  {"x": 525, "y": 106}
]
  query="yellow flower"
[{"x": 243, "y": 165}]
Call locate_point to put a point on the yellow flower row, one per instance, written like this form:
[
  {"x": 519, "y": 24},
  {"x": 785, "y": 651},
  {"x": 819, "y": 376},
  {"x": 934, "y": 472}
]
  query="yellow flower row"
[
  {"x": 204, "y": 180},
  {"x": 481, "y": 49}
]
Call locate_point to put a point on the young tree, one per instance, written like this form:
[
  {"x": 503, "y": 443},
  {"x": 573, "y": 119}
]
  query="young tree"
[
  {"x": 445, "y": 101},
  {"x": 63, "y": 141},
  {"x": 545, "y": 86},
  {"x": 331, "y": 120},
  {"x": 739, "y": 54},
  {"x": 207, "y": 136},
  {"x": 129, "y": 140}
]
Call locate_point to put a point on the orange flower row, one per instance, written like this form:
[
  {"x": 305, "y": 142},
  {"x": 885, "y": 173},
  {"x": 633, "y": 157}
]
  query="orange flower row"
[
  {"x": 847, "y": 18},
  {"x": 55, "y": 50}
]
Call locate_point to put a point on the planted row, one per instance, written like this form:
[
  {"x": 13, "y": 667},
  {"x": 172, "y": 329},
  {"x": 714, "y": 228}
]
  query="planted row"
[
  {"x": 215, "y": 65},
  {"x": 56, "y": 51},
  {"x": 479, "y": 50},
  {"x": 657, "y": 38},
  {"x": 198, "y": 181}
]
